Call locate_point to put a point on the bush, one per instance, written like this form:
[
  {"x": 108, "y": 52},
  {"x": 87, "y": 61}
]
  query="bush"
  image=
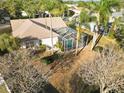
[
  {"x": 93, "y": 18},
  {"x": 8, "y": 43},
  {"x": 111, "y": 34},
  {"x": 71, "y": 24},
  {"x": 98, "y": 49},
  {"x": 51, "y": 59},
  {"x": 42, "y": 48},
  {"x": 59, "y": 45},
  {"x": 20, "y": 73},
  {"x": 46, "y": 61}
]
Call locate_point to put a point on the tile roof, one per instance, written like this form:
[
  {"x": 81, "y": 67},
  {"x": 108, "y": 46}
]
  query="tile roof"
[{"x": 36, "y": 28}]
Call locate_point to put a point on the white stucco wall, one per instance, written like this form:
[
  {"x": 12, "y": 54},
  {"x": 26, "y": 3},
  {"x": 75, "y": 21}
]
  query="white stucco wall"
[
  {"x": 47, "y": 41},
  {"x": 30, "y": 43}
]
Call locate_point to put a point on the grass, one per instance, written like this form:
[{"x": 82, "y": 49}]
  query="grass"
[{"x": 3, "y": 89}]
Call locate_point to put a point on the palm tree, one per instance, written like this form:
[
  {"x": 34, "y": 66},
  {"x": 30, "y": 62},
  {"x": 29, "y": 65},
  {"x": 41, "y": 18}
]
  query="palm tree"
[
  {"x": 103, "y": 10},
  {"x": 83, "y": 19}
]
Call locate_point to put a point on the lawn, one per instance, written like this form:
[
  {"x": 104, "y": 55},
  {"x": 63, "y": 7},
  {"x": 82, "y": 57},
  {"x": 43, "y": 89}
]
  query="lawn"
[{"x": 3, "y": 89}]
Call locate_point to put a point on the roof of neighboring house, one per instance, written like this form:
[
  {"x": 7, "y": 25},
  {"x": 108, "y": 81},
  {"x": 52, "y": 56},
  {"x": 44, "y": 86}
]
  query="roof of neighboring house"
[
  {"x": 117, "y": 14},
  {"x": 36, "y": 28}
]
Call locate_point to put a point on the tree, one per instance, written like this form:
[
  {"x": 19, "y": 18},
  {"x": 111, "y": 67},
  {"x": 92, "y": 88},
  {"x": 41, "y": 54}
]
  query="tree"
[
  {"x": 56, "y": 7},
  {"x": 105, "y": 71},
  {"x": 20, "y": 74},
  {"x": 2, "y": 3},
  {"x": 83, "y": 19},
  {"x": 14, "y": 7},
  {"x": 32, "y": 6},
  {"x": 10, "y": 7},
  {"x": 103, "y": 11},
  {"x": 103, "y": 8}
]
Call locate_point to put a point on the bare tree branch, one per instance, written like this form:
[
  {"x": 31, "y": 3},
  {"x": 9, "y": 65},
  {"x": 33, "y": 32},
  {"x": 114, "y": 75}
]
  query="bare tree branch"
[
  {"x": 20, "y": 74},
  {"x": 105, "y": 71}
]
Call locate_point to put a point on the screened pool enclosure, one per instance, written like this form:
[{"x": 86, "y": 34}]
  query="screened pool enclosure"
[{"x": 68, "y": 38}]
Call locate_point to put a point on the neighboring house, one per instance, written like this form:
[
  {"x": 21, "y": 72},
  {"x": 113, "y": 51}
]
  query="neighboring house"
[
  {"x": 76, "y": 14},
  {"x": 72, "y": 13},
  {"x": 117, "y": 14},
  {"x": 36, "y": 31}
]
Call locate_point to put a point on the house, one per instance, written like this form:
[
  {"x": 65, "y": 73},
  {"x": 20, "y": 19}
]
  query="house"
[
  {"x": 48, "y": 31},
  {"x": 35, "y": 31}
]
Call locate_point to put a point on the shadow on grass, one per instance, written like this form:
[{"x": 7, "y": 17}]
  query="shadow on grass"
[
  {"x": 50, "y": 89},
  {"x": 52, "y": 58}
]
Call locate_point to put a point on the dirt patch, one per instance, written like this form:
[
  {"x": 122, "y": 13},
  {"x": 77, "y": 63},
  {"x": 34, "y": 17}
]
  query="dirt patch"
[{"x": 61, "y": 78}]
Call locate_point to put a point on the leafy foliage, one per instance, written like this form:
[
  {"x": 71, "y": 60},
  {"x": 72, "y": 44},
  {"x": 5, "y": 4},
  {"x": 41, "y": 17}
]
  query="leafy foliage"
[
  {"x": 84, "y": 17},
  {"x": 32, "y": 6},
  {"x": 59, "y": 45},
  {"x": 42, "y": 48},
  {"x": 7, "y": 43}
]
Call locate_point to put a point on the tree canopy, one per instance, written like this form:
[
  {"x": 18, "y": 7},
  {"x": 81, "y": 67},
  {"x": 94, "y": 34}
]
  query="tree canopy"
[
  {"x": 103, "y": 8},
  {"x": 32, "y": 6}
]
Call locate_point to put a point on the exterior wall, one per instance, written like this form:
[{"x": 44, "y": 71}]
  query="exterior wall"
[
  {"x": 30, "y": 43},
  {"x": 47, "y": 41}
]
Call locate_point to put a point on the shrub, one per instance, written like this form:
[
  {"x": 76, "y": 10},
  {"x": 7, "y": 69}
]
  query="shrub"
[
  {"x": 51, "y": 59},
  {"x": 59, "y": 45},
  {"x": 98, "y": 49},
  {"x": 42, "y": 48},
  {"x": 8, "y": 43}
]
